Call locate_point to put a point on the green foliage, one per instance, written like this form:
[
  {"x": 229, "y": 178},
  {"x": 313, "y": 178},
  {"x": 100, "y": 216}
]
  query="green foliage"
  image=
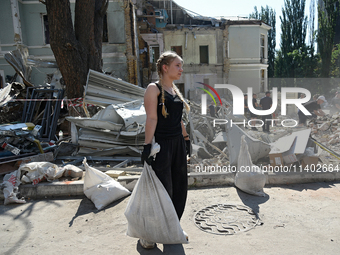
[
  {"x": 335, "y": 62},
  {"x": 293, "y": 51},
  {"x": 303, "y": 63},
  {"x": 268, "y": 16},
  {"x": 327, "y": 21}
]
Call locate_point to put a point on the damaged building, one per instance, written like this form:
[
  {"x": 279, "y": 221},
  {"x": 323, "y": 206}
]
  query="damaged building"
[
  {"x": 24, "y": 25},
  {"x": 215, "y": 50}
]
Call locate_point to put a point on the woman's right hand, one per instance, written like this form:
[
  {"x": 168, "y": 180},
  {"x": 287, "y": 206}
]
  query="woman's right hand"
[{"x": 145, "y": 157}]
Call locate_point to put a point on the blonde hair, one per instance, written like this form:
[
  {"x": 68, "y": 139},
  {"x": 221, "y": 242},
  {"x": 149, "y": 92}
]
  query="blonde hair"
[{"x": 166, "y": 59}]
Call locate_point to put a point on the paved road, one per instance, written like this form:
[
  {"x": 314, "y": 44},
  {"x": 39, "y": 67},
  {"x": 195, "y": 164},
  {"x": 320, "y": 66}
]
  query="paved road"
[{"x": 298, "y": 219}]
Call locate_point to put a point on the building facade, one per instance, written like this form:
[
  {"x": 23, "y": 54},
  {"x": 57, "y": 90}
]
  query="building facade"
[
  {"x": 217, "y": 50},
  {"x": 24, "y": 24}
]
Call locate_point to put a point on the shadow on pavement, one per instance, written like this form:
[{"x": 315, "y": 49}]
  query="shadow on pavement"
[
  {"x": 86, "y": 206},
  {"x": 23, "y": 219},
  {"x": 168, "y": 249},
  {"x": 252, "y": 201},
  {"x": 308, "y": 186}
]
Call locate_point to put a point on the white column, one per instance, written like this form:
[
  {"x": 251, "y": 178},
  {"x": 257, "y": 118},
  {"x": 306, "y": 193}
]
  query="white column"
[{"x": 16, "y": 22}]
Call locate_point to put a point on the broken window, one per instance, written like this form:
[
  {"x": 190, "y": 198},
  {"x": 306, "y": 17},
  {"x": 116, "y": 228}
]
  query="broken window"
[
  {"x": 154, "y": 57},
  {"x": 262, "y": 79},
  {"x": 204, "y": 54},
  {"x": 262, "y": 45},
  {"x": 178, "y": 50},
  {"x": 46, "y": 29},
  {"x": 154, "y": 53},
  {"x": 180, "y": 86}
]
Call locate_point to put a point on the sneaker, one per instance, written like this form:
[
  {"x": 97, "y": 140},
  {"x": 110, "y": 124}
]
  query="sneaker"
[{"x": 146, "y": 245}]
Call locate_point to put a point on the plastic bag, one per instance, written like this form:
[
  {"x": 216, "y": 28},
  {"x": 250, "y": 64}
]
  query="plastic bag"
[
  {"x": 150, "y": 211},
  {"x": 10, "y": 188},
  {"x": 100, "y": 188},
  {"x": 37, "y": 171},
  {"x": 249, "y": 178}
]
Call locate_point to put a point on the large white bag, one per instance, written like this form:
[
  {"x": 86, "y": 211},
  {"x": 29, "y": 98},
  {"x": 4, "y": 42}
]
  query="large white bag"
[
  {"x": 249, "y": 178},
  {"x": 150, "y": 211},
  {"x": 100, "y": 188},
  {"x": 37, "y": 171}
]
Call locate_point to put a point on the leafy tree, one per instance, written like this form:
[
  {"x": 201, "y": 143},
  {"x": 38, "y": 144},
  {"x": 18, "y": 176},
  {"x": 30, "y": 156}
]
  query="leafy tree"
[
  {"x": 335, "y": 62},
  {"x": 311, "y": 26},
  {"x": 327, "y": 17},
  {"x": 268, "y": 16},
  {"x": 77, "y": 47},
  {"x": 293, "y": 36}
]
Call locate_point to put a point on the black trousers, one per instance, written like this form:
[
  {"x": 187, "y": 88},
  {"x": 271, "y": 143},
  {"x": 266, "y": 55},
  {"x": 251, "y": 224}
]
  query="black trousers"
[
  {"x": 267, "y": 123},
  {"x": 170, "y": 167},
  {"x": 303, "y": 118}
]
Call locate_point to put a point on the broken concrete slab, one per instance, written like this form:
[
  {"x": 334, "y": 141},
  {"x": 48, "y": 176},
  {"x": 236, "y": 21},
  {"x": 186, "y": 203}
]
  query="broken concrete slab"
[
  {"x": 257, "y": 149},
  {"x": 115, "y": 173}
]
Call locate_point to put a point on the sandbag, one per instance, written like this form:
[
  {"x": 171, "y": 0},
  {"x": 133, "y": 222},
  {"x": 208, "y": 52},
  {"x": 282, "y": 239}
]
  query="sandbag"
[
  {"x": 100, "y": 188},
  {"x": 249, "y": 178},
  {"x": 150, "y": 211}
]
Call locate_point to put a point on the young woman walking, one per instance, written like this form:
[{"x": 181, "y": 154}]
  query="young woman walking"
[{"x": 164, "y": 104}]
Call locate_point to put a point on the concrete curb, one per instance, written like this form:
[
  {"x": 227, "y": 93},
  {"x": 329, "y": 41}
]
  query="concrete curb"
[
  {"x": 50, "y": 189},
  {"x": 302, "y": 177},
  {"x": 75, "y": 188}
]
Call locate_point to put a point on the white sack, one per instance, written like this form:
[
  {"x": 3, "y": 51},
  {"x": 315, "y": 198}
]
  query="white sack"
[
  {"x": 10, "y": 188},
  {"x": 73, "y": 171},
  {"x": 37, "y": 171},
  {"x": 249, "y": 178},
  {"x": 100, "y": 188},
  {"x": 150, "y": 211}
]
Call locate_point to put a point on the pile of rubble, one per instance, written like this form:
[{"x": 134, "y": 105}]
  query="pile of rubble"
[
  {"x": 29, "y": 120},
  {"x": 11, "y": 111},
  {"x": 326, "y": 129},
  {"x": 115, "y": 131}
]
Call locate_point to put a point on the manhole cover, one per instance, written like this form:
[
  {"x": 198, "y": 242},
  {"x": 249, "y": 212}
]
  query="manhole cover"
[{"x": 224, "y": 219}]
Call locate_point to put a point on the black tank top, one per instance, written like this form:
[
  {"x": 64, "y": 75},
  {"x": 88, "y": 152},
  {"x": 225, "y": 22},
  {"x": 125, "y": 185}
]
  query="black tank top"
[{"x": 170, "y": 126}]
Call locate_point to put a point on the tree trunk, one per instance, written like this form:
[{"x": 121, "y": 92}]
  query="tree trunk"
[{"x": 76, "y": 48}]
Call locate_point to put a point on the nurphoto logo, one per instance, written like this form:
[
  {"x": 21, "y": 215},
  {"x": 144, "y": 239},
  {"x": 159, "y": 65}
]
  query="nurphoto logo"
[{"x": 238, "y": 104}]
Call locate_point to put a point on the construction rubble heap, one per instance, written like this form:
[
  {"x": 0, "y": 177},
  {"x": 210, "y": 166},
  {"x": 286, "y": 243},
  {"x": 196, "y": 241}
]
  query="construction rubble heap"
[{"x": 110, "y": 134}]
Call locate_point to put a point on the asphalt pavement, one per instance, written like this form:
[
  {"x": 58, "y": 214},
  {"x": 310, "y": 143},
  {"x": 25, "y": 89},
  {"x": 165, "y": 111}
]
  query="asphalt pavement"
[{"x": 294, "y": 219}]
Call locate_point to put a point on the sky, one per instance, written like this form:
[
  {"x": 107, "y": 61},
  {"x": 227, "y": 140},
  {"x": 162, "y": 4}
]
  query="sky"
[{"x": 240, "y": 8}]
